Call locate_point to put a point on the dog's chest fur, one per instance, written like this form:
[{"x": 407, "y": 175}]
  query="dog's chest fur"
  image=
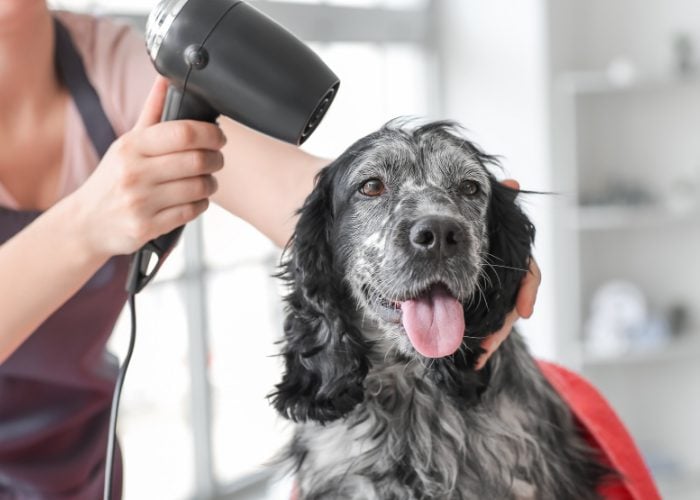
[{"x": 410, "y": 440}]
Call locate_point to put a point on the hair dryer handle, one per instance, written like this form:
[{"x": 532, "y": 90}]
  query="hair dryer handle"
[{"x": 178, "y": 105}]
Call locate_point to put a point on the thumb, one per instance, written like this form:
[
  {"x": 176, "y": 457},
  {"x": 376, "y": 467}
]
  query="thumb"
[{"x": 153, "y": 107}]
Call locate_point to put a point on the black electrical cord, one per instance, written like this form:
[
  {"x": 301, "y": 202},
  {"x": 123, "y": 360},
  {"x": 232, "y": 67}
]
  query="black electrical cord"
[{"x": 112, "y": 437}]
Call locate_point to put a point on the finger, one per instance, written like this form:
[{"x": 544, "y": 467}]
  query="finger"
[
  {"x": 153, "y": 107},
  {"x": 168, "y": 168},
  {"x": 168, "y": 219},
  {"x": 491, "y": 343},
  {"x": 527, "y": 295},
  {"x": 182, "y": 191},
  {"x": 179, "y": 135},
  {"x": 511, "y": 183}
]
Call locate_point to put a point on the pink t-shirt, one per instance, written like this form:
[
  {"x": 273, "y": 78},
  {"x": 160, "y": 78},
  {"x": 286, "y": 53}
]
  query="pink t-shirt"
[{"x": 119, "y": 68}]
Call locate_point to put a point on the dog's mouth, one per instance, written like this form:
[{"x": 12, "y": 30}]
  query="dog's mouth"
[{"x": 432, "y": 319}]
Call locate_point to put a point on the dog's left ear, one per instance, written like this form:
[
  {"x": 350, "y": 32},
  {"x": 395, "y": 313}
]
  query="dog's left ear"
[
  {"x": 510, "y": 235},
  {"x": 325, "y": 356}
]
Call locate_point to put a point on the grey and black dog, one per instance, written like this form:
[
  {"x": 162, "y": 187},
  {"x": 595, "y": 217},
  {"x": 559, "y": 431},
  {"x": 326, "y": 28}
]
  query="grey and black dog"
[{"x": 407, "y": 253}]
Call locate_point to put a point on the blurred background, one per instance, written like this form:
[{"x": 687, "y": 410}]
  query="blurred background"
[{"x": 596, "y": 100}]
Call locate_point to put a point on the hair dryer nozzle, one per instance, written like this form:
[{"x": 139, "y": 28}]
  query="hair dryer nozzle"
[{"x": 318, "y": 113}]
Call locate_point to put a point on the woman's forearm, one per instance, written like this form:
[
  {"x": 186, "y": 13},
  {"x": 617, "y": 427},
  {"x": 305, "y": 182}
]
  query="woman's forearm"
[
  {"x": 40, "y": 268},
  {"x": 264, "y": 181}
]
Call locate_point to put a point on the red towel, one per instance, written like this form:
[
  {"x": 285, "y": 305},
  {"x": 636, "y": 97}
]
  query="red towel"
[{"x": 606, "y": 432}]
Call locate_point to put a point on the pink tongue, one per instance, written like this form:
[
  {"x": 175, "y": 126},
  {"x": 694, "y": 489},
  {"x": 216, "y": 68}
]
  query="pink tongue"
[{"x": 434, "y": 323}]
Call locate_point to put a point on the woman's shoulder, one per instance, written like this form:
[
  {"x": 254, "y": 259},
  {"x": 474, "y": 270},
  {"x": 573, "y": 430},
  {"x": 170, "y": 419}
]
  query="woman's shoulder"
[{"x": 115, "y": 58}]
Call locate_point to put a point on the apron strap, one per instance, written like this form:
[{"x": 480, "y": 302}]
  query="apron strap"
[{"x": 72, "y": 72}]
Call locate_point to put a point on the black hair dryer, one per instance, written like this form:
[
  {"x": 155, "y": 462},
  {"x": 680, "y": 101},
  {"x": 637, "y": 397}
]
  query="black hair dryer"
[{"x": 226, "y": 57}]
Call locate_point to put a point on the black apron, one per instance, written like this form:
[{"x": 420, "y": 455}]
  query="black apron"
[{"x": 56, "y": 389}]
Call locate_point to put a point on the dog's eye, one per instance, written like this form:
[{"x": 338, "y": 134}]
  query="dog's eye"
[
  {"x": 470, "y": 188},
  {"x": 373, "y": 187}
]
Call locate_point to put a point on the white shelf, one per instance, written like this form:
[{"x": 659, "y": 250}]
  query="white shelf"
[
  {"x": 684, "y": 348},
  {"x": 609, "y": 217},
  {"x": 600, "y": 83}
]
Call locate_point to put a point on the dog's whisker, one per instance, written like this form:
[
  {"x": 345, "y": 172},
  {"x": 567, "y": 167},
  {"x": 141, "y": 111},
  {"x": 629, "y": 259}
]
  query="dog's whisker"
[
  {"x": 493, "y": 256},
  {"x": 478, "y": 296},
  {"x": 495, "y": 273},
  {"x": 507, "y": 267}
]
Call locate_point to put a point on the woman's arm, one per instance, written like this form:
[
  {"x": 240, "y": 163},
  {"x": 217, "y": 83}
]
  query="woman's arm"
[
  {"x": 41, "y": 267},
  {"x": 129, "y": 199},
  {"x": 264, "y": 181}
]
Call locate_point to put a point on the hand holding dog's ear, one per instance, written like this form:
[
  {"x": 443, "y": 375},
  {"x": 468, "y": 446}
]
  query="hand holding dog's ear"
[
  {"x": 524, "y": 303},
  {"x": 524, "y": 306}
]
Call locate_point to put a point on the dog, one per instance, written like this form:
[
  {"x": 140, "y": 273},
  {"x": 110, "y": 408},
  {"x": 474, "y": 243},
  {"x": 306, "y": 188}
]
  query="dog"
[{"x": 406, "y": 255}]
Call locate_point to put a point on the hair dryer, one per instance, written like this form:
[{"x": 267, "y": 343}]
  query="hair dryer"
[{"x": 226, "y": 57}]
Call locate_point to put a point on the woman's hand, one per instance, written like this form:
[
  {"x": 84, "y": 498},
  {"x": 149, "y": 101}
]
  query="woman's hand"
[
  {"x": 524, "y": 304},
  {"x": 153, "y": 179}
]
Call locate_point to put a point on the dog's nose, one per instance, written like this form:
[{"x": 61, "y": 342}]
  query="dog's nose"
[{"x": 439, "y": 236}]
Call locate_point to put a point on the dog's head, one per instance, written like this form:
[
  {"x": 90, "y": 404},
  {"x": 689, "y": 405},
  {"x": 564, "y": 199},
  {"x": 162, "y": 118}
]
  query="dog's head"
[{"x": 407, "y": 249}]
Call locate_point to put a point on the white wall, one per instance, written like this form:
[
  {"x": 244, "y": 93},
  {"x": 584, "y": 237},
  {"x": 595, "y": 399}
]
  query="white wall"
[
  {"x": 647, "y": 135},
  {"x": 641, "y": 31},
  {"x": 496, "y": 85}
]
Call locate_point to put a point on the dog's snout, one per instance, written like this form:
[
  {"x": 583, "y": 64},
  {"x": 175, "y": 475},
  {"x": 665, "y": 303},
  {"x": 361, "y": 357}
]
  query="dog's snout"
[{"x": 439, "y": 236}]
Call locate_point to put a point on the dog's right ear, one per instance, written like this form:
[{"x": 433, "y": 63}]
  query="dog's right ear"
[
  {"x": 511, "y": 235},
  {"x": 325, "y": 356}
]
